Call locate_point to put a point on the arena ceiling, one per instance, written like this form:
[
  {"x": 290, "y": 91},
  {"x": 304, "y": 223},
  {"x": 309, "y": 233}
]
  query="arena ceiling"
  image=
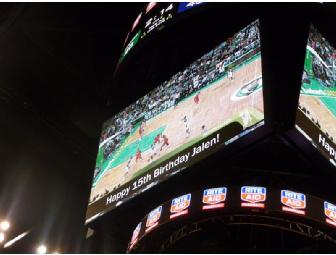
[{"x": 55, "y": 63}]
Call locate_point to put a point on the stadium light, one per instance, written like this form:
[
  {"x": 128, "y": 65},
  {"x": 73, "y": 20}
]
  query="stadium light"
[
  {"x": 4, "y": 225},
  {"x": 11, "y": 242},
  {"x": 2, "y": 237},
  {"x": 41, "y": 249}
]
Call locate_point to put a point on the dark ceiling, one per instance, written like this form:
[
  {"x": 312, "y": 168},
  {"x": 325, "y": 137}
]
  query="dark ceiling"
[{"x": 56, "y": 61}]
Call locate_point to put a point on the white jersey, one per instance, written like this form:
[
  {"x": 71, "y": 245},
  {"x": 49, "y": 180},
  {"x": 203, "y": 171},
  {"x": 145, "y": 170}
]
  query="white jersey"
[
  {"x": 246, "y": 119},
  {"x": 187, "y": 126},
  {"x": 230, "y": 74}
]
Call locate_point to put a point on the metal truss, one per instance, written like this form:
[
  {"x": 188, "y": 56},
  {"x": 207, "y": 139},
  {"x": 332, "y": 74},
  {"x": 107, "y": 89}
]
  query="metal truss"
[{"x": 245, "y": 219}]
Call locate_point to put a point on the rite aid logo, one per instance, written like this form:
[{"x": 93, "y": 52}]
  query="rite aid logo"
[
  {"x": 154, "y": 216},
  {"x": 253, "y": 194},
  {"x": 180, "y": 203},
  {"x": 214, "y": 196},
  {"x": 293, "y": 200}
]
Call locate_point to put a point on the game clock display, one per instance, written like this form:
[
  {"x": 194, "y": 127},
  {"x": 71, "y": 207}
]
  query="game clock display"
[
  {"x": 213, "y": 102},
  {"x": 154, "y": 18},
  {"x": 164, "y": 15}
]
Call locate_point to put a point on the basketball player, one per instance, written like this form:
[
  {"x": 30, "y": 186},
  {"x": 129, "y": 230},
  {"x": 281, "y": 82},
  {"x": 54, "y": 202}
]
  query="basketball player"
[
  {"x": 152, "y": 152},
  {"x": 246, "y": 118},
  {"x": 165, "y": 142},
  {"x": 204, "y": 129},
  {"x": 197, "y": 98},
  {"x": 142, "y": 129},
  {"x": 187, "y": 127},
  {"x": 138, "y": 155},
  {"x": 230, "y": 74},
  {"x": 127, "y": 167}
]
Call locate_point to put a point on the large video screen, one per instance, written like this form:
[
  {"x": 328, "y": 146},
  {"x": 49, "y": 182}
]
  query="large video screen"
[
  {"x": 316, "y": 115},
  {"x": 214, "y": 101}
]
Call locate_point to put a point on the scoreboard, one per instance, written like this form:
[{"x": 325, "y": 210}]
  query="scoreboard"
[
  {"x": 154, "y": 22},
  {"x": 209, "y": 105},
  {"x": 316, "y": 113},
  {"x": 220, "y": 106},
  {"x": 153, "y": 18}
]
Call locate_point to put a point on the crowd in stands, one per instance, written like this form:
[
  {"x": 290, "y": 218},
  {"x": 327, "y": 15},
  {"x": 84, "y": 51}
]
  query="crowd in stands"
[
  {"x": 325, "y": 72},
  {"x": 315, "y": 121},
  {"x": 199, "y": 74}
]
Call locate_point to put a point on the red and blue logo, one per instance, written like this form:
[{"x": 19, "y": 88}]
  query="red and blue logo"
[
  {"x": 153, "y": 218},
  {"x": 214, "y": 198},
  {"x": 293, "y": 201},
  {"x": 135, "y": 234},
  {"x": 179, "y": 205},
  {"x": 330, "y": 212},
  {"x": 253, "y": 196}
]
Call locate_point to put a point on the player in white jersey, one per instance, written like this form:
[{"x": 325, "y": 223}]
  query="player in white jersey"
[
  {"x": 204, "y": 129},
  {"x": 246, "y": 118},
  {"x": 187, "y": 126},
  {"x": 127, "y": 167},
  {"x": 230, "y": 74}
]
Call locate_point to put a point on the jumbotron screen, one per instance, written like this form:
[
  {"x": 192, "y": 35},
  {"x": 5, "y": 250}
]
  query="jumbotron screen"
[
  {"x": 316, "y": 115},
  {"x": 214, "y": 101}
]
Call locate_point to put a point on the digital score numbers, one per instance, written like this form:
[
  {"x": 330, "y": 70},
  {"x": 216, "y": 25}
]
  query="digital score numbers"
[{"x": 155, "y": 22}]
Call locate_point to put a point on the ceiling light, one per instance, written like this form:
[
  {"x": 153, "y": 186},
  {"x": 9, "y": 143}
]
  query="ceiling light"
[
  {"x": 4, "y": 225},
  {"x": 2, "y": 237},
  {"x": 11, "y": 242},
  {"x": 41, "y": 249}
]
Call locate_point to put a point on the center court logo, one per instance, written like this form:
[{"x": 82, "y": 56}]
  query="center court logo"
[
  {"x": 293, "y": 201},
  {"x": 153, "y": 218},
  {"x": 330, "y": 212},
  {"x": 214, "y": 198},
  {"x": 179, "y": 205},
  {"x": 253, "y": 196}
]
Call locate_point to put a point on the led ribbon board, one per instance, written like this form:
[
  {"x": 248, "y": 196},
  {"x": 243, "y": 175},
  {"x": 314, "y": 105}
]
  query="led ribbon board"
[
  {"x": 185, "y": 6},
  {"x": 130, "y": 45},
  {"x": 320, "y": 211},
  {"x": 136, "y": 22},
  {"x": 150, "y": 6}
]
